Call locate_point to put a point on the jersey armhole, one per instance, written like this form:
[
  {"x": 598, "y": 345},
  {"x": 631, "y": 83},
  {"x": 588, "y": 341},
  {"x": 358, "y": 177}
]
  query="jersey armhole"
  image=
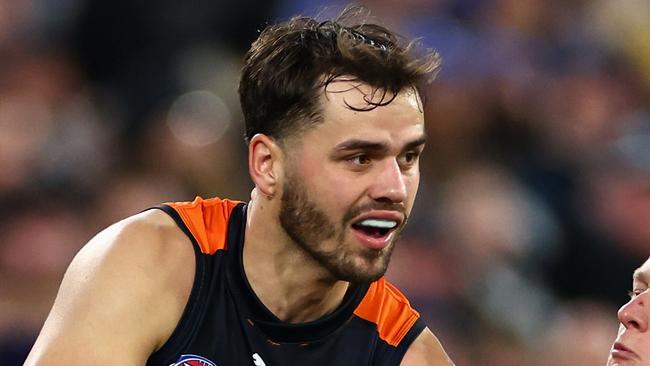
[
  {"x": 411, "y": 335},
  {"x": 185, "y": 327}
]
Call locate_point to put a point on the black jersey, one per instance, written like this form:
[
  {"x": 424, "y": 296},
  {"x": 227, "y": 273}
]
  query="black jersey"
[{"x": 225, "y": 324}]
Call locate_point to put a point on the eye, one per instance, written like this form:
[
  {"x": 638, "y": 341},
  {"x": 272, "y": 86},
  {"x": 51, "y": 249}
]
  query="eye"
[
  {"x": 408, "y": 158},
  {"x": 360, "y": 159},
  {"x": 636, "y": 292}
]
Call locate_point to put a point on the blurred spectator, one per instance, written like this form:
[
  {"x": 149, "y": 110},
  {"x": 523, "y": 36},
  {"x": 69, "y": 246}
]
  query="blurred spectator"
[
  {"x": 38, "y": 242},
  {"x": 581, "y": 336}
]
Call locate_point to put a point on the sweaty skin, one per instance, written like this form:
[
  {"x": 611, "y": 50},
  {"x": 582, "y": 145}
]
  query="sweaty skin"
[{"x": 103, "y": 312}]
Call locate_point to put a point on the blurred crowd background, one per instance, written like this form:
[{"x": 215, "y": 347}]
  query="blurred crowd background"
[{"x": 534, "y": 206}]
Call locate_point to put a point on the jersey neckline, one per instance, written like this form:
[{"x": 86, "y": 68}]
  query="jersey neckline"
[{"x": 256, "y": 313}]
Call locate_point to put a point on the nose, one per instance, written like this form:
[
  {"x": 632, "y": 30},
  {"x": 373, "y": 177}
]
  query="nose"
[
  {"x": 633, "y": 315},
  {"x": 389, "y": 184}
]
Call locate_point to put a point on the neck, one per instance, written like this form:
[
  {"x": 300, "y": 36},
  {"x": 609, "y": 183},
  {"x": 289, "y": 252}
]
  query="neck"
[{"x": 288, "y": 281}]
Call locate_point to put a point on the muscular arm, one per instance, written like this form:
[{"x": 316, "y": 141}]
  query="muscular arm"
[
  {"x": 121, "y": 297},
  {"x": 426, "y": 350}
]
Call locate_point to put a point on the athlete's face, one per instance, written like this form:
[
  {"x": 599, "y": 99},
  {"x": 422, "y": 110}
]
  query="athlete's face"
[
  {"x": 632, "y": 346},
  {"x": 350, "y": 181}
]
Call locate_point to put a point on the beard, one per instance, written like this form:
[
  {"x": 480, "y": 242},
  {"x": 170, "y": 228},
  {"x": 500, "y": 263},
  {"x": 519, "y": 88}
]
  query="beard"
[{"x": 309, "y": 227}]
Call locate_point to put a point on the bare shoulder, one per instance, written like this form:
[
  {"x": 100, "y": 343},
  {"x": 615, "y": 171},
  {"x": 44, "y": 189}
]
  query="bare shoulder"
[
  {"x": 121, "y": 296},
  {"x": 426, "y": 350}
]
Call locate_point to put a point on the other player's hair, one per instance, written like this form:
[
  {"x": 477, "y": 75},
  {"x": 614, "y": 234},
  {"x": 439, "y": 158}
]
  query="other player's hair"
[{"x": 291, "y": 62}]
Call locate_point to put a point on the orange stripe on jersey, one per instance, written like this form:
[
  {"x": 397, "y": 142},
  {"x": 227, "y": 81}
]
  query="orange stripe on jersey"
[
  {"x": 389, "y": 309},
  {"x": 207, "y": 220}
]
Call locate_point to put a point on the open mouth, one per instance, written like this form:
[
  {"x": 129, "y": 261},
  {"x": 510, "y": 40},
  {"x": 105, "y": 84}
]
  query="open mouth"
[{"x": 376, "y": 228}]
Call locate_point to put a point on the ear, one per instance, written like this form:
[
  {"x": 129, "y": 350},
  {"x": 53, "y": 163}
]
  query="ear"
[{"x": 264, "y": 163}]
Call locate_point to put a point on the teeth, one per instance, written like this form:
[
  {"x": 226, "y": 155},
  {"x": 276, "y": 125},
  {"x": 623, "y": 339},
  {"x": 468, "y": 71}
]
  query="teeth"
[{"x": 381, "y": 224}]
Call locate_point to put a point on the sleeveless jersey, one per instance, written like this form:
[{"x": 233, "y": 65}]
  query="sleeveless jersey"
[{"x": 225, "y": 324}]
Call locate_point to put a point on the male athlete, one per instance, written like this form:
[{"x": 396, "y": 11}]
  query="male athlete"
[
  {"x": 632, "y": 346},
  {"x": 335, "y": 129}
]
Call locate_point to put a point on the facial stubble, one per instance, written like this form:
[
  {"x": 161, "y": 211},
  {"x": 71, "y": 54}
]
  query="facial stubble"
[{"x": 310, "y": 227}]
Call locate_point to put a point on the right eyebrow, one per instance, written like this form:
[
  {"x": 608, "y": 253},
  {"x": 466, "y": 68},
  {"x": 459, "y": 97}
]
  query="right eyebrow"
[
  {"x": 361, "y": 145},
  {"x": 640, "y": 275}
]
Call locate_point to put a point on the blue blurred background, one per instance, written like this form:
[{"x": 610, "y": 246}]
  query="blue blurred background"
[{"x": 534, "y": 206}]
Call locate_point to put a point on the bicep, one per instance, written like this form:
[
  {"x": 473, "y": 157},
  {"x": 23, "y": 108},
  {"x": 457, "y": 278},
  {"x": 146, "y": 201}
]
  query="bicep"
[
  {"x": 103, "y": 312},
  {"x": 426, "y": 350}
]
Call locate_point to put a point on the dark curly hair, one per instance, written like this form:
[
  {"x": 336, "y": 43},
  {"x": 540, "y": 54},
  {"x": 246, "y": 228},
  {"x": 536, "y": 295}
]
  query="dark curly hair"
[{"x": 291, "y": 62}]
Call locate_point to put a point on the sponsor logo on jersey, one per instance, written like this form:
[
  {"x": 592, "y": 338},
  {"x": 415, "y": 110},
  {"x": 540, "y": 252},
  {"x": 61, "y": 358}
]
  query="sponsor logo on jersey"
[{"x": 193, "y": 360}]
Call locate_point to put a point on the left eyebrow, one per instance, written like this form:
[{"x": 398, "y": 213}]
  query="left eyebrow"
[
  {"x": 364, "y": 145},
  {"x": 415, "y": 143}
]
